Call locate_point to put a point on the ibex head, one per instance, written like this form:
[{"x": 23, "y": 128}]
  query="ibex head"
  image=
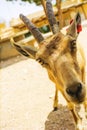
[{"x": 59, "y": 55}]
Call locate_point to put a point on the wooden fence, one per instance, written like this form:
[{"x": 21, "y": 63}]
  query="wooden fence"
[{"x": 18, "y": 31}]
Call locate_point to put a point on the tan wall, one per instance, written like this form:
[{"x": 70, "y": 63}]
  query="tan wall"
[{"x": 6, "y": 50}]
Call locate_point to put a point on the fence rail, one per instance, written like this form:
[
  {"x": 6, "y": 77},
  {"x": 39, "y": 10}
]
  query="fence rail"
[{"x": 18, "y": 31}]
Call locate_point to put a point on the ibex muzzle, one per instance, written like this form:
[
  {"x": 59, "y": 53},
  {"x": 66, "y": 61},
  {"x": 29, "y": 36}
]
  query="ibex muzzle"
[{"x": 61, "y": 56}]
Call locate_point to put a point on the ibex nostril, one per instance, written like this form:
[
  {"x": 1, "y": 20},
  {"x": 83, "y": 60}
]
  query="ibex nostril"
[
  {"x": 79, "y": 87},
  {"x": 70, "y": 92}
]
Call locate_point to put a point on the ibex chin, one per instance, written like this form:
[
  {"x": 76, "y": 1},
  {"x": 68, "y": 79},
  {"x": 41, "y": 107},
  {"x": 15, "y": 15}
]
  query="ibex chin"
[{"x": 61, "y": 56}]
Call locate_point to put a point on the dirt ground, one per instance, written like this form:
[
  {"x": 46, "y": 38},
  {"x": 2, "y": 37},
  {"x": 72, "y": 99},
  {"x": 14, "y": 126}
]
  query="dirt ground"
[{"x": 26, "y": 94}]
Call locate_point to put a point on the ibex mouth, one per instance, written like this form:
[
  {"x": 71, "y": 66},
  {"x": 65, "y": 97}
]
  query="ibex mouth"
[{"x": 79, "y": 100}]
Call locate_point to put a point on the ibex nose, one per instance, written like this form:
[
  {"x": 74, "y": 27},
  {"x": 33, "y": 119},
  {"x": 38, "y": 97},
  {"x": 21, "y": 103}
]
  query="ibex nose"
[{"x": 74, "y": 90}]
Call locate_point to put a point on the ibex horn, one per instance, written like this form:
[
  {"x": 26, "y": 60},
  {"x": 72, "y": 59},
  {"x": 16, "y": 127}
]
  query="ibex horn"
[
  {"x": 51, "y": 17},
  {"x": 34, "y": 30}
]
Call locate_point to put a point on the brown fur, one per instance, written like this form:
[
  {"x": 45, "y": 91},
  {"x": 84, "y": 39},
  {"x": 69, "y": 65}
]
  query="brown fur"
[
  {"x": 65, "y": 68},
  {"x": 62, "y": 57}
]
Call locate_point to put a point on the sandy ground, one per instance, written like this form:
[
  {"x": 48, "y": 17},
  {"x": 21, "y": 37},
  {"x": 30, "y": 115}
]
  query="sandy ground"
[
  {"x": 25, "y": 98},
  {"x": 26, "y": 94}
]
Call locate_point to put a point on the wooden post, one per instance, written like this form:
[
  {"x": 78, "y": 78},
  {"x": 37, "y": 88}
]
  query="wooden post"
[
  {"x": 44, "y": 5},
  {"x": 60, "y": 17}
]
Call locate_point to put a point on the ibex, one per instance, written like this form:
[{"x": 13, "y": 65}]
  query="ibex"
[{"x": 61, "y": 56}]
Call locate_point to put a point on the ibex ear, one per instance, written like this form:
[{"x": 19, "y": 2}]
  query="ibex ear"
[
  {"x": 27, "y": 50},
  {"x": 74, "y": 26}
]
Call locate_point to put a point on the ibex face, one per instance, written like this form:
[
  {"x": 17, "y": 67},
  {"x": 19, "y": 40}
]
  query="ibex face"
[{"x": 59, "y": 55}]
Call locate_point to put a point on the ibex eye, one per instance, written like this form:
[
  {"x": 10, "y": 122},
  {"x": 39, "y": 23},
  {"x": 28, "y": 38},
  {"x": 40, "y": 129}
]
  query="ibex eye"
[
  {"x": 73, "y": 45},
  {"x": 40, "y": 61}
]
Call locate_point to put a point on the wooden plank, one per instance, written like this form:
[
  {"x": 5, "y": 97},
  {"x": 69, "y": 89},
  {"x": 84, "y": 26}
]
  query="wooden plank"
[
  {"x": 39, "y": 19},
  {"x": 7, "y": 33},
  {"x": 40, "y": 16},
  {"x": 84, "y": 7},
  {"x": 34, "y": 17},
  {"x": 79, "y": 9}
]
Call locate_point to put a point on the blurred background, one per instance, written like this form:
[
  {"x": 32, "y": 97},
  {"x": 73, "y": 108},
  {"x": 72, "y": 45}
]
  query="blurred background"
[
  {"x": 12, "y": 27},
  {"x": 12, "y": 8}
]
